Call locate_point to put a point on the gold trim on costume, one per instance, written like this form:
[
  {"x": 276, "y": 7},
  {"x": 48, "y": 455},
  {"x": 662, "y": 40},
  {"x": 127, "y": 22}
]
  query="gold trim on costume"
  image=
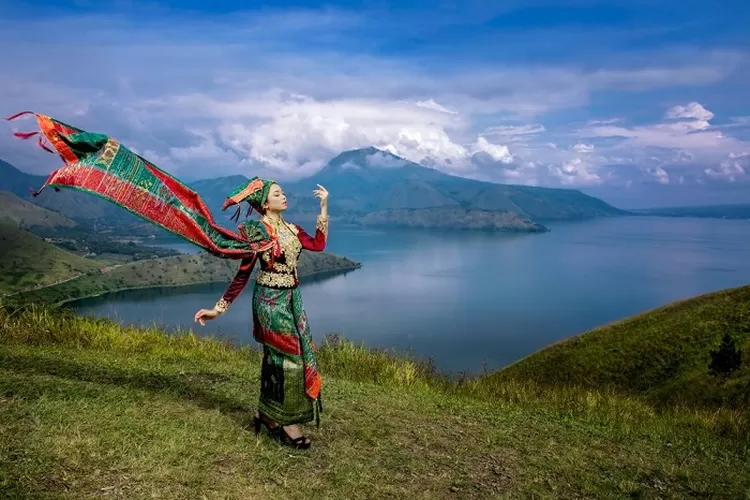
[
  {"x": 290, "y": 245},
  {"x": 322, "y": 225},
  {"x": 221, "y": 306},
  {"x": 276, "y": 280}
]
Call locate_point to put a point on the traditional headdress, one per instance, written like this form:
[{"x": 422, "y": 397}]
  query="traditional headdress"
[{"x": 254, "y": 192}]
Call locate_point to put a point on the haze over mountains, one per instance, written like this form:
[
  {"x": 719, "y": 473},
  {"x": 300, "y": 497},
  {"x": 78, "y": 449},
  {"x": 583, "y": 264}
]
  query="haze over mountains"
[{"x": 367, "y": 186}]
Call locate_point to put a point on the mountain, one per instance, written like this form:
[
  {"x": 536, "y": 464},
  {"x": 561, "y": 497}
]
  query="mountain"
[
  {"x": 453, "y": 218},
  {"x": 735, "y": 211},
  {"x": 369, "y": 180},
  {"x": 215, "y": 191},
  {"x": 26, "y": 214},
  {"x": 86, "y": 209},
  {"x": 363, "y": 183}
]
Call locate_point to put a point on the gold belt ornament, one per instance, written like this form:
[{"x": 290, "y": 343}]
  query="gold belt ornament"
[{"x": 276, "y": 280}]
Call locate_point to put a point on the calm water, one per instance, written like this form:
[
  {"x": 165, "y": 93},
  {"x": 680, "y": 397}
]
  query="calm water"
[{"x": 481, "y": 301}]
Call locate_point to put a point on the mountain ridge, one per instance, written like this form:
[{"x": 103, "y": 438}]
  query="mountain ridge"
[
  {"x": 25, "y": 214},
  {"x": 362, "y": 182}
]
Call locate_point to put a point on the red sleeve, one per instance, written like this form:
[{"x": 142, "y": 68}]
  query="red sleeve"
[
  {"x": 316, "y": 244},
  {"x": 240, "y": 279}
]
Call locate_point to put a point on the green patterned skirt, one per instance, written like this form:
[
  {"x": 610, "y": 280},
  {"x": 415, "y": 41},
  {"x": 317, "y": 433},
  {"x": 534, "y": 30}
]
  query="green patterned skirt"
[{"x": 289, "y": 380}]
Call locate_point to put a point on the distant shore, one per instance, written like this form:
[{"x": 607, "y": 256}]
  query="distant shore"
[{"x": 303, "y": 279}]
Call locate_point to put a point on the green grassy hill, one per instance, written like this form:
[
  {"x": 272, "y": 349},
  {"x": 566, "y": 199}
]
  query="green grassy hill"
[
  {"x": 26, "y": 214},
  {"x": 662, "y": 355},
  {"x": 28, "y": 261},
  {"x": 179, "y": 270},
  {"x": 90, "y": 409}
]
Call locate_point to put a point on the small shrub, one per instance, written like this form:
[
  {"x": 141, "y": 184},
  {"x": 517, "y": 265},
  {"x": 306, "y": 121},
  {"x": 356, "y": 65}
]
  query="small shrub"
[{"x": 726, "y": 359}]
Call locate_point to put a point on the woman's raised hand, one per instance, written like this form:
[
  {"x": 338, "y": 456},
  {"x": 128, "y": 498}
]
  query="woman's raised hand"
[{"x": 321, "y": 194}]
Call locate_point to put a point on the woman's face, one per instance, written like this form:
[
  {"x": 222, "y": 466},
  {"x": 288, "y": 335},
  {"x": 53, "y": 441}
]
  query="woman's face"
[{"x": 276, "y": 199}]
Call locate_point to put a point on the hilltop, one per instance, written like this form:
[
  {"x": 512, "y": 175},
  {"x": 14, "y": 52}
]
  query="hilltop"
[
  {"x": 661, "y": 355},
  {"x": 26, "y": 214},
  {"x": 90, "y": 408},
  {"x": 28, "y": 261}
]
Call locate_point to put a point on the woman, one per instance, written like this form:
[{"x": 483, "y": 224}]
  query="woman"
[
  {"x": 290, "y": 384},
  {"x": 98, "y": 164}
]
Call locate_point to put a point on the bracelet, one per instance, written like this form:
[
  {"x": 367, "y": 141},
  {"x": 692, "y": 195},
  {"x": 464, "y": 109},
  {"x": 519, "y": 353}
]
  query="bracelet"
[{"x": 221, "y": 306}]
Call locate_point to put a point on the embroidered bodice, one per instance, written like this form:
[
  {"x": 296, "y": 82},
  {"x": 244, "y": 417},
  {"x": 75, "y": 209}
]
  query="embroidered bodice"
[
  {"x": 277, "y": 271},
  {"x": 282, "y": 272}
]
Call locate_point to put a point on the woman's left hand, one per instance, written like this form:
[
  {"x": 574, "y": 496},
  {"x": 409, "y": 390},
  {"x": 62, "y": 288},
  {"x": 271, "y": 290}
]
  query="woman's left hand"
[{"x": 321, "y": 194}]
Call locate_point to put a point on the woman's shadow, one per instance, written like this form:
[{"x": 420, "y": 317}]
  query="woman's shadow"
[{"x": 196, "y": 387}]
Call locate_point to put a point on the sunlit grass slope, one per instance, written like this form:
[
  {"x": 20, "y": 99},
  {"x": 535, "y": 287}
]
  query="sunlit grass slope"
[
  {"x": 663, "y": 355},
  {"x": 90, "y": 409}
]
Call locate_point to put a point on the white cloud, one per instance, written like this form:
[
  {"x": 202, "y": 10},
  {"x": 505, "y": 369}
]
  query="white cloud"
[
  {"x": 431, "y": 104},
  {"x": 658, "y": 174},
  {"x": 694, "y": 134},
  {"x": 686, "y": 140},
  {"x": 732, "y": 168},
  {"x": 380, "y": 159},
  {"x": 497, "y": 152},
  {"x": 609, "y": 121},
  {"x": 513, "y": 132},
  {"x": 284, "y": 91},
  {"x": 583, "y": 148},
  {"x": 577, "y": 172},
  {"x": 285, "y": 131},
  {"x": 693, "y": 110}
]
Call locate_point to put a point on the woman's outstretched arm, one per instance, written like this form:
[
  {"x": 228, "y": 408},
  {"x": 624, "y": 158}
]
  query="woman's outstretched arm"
[
  {"x": 237, "y": 284},
  {"x": 234, "y": 289}
]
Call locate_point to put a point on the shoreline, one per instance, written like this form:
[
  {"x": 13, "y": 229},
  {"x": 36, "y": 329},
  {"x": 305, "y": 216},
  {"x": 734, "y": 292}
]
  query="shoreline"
[{"x": 331, "y": 272}]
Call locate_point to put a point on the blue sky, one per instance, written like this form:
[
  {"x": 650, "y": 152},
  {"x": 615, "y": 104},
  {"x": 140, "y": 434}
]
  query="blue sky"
[{"x": 643, "y": 105}]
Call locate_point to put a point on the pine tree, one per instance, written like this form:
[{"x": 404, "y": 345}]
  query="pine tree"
[{"x": 726, "y": 358}]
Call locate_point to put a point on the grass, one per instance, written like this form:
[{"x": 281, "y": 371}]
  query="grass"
[
  {"x": 662, "y": 355},
  {"x": 29, "y": 261},
  {"x": 90, "y": 409}
]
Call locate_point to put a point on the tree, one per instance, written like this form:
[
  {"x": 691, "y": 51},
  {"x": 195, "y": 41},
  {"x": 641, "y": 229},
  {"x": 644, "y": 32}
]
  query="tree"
[{"x": 726, "y": 358}]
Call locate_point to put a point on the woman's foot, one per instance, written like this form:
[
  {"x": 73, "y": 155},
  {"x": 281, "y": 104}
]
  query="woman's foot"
[
  {"x": 292, "y": 435},
  {"x": 288, "y": 434},
  {"x": 260, "y": 419}
]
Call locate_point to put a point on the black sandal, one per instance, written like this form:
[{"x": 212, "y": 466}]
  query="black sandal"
[
  {"x": 258, "y": 422},
  {"x": 301, "y": 443}
]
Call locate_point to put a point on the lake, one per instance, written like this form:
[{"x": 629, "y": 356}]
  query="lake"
[{"x": 479, "y": 301}]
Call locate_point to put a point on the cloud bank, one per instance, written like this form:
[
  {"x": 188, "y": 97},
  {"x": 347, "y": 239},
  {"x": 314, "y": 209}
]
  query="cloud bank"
[{"x": 282, "y": 92}]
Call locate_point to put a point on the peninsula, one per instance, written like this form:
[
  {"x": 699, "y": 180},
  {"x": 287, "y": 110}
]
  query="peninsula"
[{"x": 34, "y": 270}]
